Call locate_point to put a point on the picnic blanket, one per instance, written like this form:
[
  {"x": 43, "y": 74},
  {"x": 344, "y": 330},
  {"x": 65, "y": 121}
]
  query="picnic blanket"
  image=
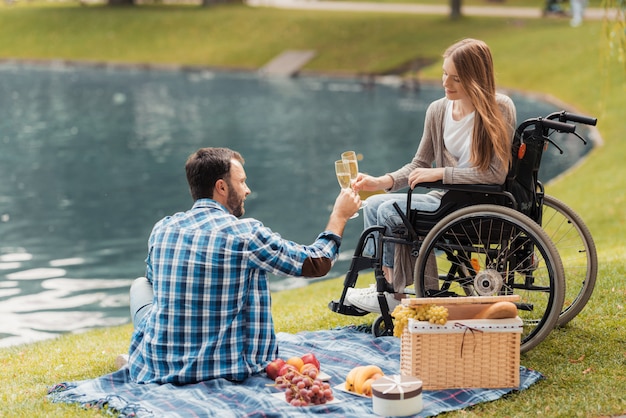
[{"x": 338, "y": 351}]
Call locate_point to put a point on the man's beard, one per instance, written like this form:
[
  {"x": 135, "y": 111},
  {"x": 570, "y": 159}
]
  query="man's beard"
[{"x": 235, "y": 203}]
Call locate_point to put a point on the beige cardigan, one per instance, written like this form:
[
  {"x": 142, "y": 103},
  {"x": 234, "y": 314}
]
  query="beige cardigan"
[{"x": 432, "y": 150}]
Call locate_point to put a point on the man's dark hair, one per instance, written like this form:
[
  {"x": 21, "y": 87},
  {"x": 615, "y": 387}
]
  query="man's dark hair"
[{"x": 205, "y": 167}]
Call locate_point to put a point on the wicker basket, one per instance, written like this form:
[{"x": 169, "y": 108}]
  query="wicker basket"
[{"x": 464, "y": 353}]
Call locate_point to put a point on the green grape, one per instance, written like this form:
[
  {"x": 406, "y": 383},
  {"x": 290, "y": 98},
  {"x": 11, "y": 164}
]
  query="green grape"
[
  {"x": 438, "y": 315},
  {"x": 435, "y": 314}
]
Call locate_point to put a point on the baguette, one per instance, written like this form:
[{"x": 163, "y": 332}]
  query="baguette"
[{"x": 498, "y": 310}]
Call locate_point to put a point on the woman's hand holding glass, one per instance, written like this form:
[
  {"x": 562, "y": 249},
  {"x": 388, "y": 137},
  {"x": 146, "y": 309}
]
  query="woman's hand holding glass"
[{"x": 367, "y": 183}]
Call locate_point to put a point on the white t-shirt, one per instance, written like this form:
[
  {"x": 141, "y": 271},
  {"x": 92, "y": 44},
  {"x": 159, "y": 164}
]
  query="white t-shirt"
[{"x": 457, "y": 136}]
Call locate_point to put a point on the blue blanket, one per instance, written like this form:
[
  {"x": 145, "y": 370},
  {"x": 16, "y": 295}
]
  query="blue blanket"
[{"x": 338, "y": 351}]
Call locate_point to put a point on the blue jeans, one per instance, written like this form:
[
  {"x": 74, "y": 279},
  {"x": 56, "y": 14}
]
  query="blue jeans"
[
  {"x": 141, "y": 296},
  {"x": 380, "y": 211}
]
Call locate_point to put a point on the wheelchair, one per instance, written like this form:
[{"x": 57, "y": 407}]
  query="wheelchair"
[{"x": 486, "y": 240}]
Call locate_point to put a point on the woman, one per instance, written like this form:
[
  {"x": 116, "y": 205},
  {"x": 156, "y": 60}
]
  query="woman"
[{"x": 467, "y": 140}]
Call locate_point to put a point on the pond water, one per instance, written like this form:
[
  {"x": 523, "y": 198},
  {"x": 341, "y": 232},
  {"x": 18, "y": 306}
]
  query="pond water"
[{"x": 92, "y": 157}]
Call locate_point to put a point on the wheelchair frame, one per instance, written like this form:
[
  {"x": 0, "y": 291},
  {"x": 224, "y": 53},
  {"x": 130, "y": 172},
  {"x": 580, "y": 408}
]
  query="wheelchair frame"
[{"x": 494, "y": 240}]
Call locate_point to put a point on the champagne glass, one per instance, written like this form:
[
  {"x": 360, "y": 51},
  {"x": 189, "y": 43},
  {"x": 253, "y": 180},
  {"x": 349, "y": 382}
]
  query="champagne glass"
[
  {"x": 342, "y": 170},
  {"x": 350, "y": 158}
]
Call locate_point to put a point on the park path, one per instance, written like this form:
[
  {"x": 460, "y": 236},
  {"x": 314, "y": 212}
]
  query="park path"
[
  {"x": 289, "y": 63},
  {"x": 434, "y": 9}
]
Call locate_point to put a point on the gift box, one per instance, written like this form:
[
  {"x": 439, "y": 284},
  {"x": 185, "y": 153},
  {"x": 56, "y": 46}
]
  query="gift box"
[
  {"x": 463, "y": 353},
  {"x": 397, "y": 396}
]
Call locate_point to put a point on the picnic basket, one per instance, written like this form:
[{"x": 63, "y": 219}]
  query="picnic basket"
[{"x": 463, "y": 353}]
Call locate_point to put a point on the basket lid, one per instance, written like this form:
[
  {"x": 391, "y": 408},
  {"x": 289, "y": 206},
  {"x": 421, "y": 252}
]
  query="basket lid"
[
  {"x": 460, "y": 300},
  {"x": 396, "y": 387},
  {"x": 505, "y": 325}
]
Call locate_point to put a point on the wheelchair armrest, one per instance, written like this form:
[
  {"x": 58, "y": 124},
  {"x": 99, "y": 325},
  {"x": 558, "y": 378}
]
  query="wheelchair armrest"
[
  {"x": 459, "y": 192},
  {"x": 457, "y": 196},
  {"x": 486, "y": 188}
]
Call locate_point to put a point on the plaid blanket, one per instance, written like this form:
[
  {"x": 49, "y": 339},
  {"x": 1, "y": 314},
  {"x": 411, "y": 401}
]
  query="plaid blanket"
[{"x": 338, "y": 350}]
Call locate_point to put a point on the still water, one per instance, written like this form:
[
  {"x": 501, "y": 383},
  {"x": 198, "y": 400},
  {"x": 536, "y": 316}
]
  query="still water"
[{"x": 92, "y": 157}]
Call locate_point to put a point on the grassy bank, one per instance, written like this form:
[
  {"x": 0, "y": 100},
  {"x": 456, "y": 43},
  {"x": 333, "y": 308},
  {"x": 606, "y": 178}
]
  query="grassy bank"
[{"x": 584, "y": 362}]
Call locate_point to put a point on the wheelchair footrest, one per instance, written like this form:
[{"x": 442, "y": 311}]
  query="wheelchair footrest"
[{"x": 346, "y": 309}]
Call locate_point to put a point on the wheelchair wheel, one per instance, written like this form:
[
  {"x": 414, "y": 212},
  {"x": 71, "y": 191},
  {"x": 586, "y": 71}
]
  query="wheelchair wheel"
[
  {"x": 487, "y": 250},
  {"x": 577, "y": 250},
  {"x": 379, "y": 329}
]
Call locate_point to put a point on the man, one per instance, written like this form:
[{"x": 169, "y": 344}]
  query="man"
[{"x": 204, "y": 309}]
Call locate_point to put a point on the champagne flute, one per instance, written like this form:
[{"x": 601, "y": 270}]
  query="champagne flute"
[
  {"x": 350, "y": 158},
  {"x": 342, "y": 171}
]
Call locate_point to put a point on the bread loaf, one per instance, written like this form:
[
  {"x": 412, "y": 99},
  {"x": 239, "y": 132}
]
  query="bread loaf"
[{"x": 498, "y": 310}]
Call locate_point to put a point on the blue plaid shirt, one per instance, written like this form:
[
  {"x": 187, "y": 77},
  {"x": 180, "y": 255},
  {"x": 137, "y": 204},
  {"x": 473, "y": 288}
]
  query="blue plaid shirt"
[{"x": 211, "y": 316}]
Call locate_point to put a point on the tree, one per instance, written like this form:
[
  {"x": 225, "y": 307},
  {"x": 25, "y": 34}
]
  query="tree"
[
  {"x": 455, "y": 9},
  {"x": 121, "y": 2}
]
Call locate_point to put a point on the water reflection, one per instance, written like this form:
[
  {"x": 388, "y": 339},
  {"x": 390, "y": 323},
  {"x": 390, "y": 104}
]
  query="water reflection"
[{"x": 92, "y": 157}]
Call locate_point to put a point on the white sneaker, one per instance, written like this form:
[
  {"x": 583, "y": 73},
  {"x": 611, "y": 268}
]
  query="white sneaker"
[
  {"x": 351, "y": 290},
  {"x": 367, "y": 299}
]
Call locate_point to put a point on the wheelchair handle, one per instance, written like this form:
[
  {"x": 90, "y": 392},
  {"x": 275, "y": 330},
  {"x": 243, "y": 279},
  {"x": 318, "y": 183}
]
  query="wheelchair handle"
[
  {"x": 572, "y": 117},
  {"x": 556, "y": 125},
  {"x": 564, "y": 116},
  {"x": 543, "y": 124}
]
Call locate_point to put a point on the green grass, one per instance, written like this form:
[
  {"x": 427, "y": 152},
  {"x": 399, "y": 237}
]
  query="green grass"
[{"x": 584, "y": 362}]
